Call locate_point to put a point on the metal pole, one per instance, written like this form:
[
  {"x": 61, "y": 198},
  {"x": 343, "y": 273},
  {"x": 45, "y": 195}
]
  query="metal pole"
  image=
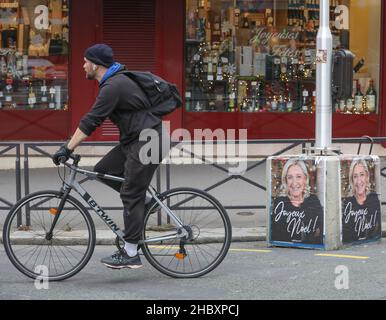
[
  {"x": 26, "y": 184},
  {"x": 18, "y": 184},
  {"x": 323, "y": 79}
]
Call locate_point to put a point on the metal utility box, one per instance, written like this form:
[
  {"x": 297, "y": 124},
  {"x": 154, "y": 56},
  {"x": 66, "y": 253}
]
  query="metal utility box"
[{"x": 323, "y": 202}]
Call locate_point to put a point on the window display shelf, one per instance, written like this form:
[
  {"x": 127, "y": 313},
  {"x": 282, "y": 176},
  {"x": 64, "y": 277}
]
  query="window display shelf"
[{"x": 265, "y": 52}]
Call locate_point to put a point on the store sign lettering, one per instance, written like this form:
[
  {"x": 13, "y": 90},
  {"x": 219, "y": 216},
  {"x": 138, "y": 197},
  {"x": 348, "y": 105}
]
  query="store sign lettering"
[
  {"x": 284, "y": 51},
  {"x": 264, "y": 37},
  {"x": 342, "y": 18},
  {"x": 42, "y": 20}
]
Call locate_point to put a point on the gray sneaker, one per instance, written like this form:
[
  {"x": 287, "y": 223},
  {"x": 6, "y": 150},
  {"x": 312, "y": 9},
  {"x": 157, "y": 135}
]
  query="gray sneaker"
[{"x": 120, "y": 260}]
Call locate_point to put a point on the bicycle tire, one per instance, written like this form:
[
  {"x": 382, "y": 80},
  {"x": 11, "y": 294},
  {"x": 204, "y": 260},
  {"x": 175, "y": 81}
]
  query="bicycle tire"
[
  {"x": 167, "y": 256},
  {"x": 34, "y": 235}
]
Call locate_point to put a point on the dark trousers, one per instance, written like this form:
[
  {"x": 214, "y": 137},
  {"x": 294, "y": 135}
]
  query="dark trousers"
[{"x": 126, "y": 161}]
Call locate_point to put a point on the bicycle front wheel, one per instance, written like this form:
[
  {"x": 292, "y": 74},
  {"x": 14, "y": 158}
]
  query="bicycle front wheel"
[
  {"x": 33, "y": 252},
  {"x": 209, "y": 228}
]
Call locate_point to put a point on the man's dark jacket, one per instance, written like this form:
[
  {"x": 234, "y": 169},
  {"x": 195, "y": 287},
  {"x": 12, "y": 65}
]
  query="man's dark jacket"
[{"x": 122, "y": 101}]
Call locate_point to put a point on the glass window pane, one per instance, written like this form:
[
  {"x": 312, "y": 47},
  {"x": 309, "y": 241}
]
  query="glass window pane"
[
  {"x": 34, "y": 37},
  {"x": 259, "y": 56}
]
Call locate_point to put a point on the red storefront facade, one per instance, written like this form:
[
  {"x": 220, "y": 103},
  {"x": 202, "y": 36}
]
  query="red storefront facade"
[{"x": 150, "y": 35}]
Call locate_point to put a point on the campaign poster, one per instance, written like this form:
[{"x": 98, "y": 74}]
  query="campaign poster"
[
  {"x": 361, "y": 207},
  {"x": 296, "y": 214}
]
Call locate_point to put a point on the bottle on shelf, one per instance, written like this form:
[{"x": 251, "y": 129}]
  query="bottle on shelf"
[
  {"x": 269, "y": 18},
  {"x": 349, "y": 105},
  {"x": 237, "y": 17},
  {"x": 2, "y": 85},
  {"x": 255, "y": 100},
  {"x": 3, "y": 66},
  {"x": 276, "y": 68},
  {"x": 197, "y": 70},
  {"x": 210, "y": 69},
  {"x": 9, "y": 92},
  {"x": 44, "y": 97},
  {"x": 64, "y": 5},
  {"x": 282, "y": 104},
  {"x": 219, "y": 72},
  {"x": 274, "y": 105},
  {"x": 359, "y": 65},
  {"x": 214, "y": 66},
  {"x": 245, "y": 22},
  {"x": 305, "y": 107},
  {"x": 232, "y": 105},
  {"x": 342, "y": 105},
  {"x": 301, "y": 70},
  {"x": 198, "y": 107},
  {"x": 313, "y": 102},
  {"x": 31, "y": 96},
  {"x": 188, "y": 96},
  {"x": 371, "y": 98},
  {"x": 261, "y": 95},
  {"x": 52, "y": 92},
  {"x": 283, "y": 68},
  {"x": 290, "y": 104},
  {"x": 358, "y": 99}
]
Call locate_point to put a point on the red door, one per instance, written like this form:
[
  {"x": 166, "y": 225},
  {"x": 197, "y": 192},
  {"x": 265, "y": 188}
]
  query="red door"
[{"x": 129, "y": 28}]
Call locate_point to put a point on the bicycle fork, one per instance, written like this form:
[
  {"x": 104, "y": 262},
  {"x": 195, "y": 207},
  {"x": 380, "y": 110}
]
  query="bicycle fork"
[
  {"x": 66, "y": 189},
  {"x": 57, "y": 211}
]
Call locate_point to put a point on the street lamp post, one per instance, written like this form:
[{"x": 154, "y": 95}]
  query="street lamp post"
[{"x": 323, "y": 79}]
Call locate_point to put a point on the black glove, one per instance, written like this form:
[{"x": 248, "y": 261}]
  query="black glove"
[{"x": 62, "y": 155}]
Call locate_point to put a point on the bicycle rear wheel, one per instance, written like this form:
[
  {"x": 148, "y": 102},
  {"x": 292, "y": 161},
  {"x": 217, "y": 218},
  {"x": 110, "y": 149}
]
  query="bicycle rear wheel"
[
  {"x": 210, "y": 230},
  {"x": 57, "y": 258}
]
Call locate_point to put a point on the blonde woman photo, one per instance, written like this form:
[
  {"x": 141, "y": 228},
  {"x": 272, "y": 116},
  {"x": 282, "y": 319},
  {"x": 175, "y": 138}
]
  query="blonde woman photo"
[
  {"x": 361, "y": 218},
  {"x": 296, "y": 215}
]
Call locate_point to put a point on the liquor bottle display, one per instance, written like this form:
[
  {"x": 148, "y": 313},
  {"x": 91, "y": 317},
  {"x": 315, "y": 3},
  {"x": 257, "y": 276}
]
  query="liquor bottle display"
[
  {"x": 263, "y": 59},
  {"x": 33, "y": 53}
]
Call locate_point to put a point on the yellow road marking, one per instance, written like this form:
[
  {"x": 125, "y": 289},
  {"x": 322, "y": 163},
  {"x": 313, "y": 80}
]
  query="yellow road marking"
[
  {"x": 341, "y": 256},
  {"x": 164, "y": 247},
  {"x": 251, "y": 250},
  {"x": 239, "y": 250}
]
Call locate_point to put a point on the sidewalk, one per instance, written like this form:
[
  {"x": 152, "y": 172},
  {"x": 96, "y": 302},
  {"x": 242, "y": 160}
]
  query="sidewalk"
[{"x": 107, "y": 237}]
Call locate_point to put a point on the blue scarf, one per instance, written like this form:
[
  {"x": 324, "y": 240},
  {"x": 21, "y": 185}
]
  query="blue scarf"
[{"x": 111, "y": 71}]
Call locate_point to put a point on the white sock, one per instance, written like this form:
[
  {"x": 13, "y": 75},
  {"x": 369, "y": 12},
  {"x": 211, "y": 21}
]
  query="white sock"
[{"x": 131, "y": 249}]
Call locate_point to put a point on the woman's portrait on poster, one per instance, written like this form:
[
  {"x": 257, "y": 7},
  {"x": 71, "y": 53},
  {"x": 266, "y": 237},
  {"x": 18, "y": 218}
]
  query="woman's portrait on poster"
[
  {"x": 296, "y": 214},
  {"x": 361, "y": 210}
]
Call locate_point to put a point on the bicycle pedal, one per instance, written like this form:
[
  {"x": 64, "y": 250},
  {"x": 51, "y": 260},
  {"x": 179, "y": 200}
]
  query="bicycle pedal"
[
  {"x": 180, "y": 256},
  {"x": 53, "y": 211}
]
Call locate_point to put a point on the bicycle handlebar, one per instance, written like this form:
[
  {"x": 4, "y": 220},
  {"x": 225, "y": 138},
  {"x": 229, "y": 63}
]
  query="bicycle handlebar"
[{"x": 75, "y": 157}]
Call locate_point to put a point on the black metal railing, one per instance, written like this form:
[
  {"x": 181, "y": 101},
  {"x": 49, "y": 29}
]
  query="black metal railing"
[
  {"x": 5, "y": 149},
  {"x": 166, "y": 181}
]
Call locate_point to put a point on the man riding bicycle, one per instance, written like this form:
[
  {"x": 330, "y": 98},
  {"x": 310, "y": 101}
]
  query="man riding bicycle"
[{"x": 122, "y": 101}]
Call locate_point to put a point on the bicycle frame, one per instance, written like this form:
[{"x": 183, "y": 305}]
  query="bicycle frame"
[{"x": 70, "y": 183}]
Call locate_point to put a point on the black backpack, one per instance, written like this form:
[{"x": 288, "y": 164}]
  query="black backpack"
[{"x": 162, "y": 95}]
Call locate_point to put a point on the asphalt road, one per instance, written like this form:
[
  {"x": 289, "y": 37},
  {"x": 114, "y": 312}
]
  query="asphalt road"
[{"x": 251, "y": 271}]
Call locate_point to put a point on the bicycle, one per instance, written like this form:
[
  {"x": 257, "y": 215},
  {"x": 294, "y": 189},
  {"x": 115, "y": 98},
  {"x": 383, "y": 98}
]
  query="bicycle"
[{"x": 59, "y": 233}]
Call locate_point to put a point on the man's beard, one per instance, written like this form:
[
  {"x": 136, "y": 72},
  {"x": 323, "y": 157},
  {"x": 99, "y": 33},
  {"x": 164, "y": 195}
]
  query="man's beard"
[{"x": 91, "y": 75}]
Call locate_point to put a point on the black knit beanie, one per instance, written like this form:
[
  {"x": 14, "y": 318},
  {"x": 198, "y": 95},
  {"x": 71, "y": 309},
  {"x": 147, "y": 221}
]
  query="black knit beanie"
[{"x": 100, "y": 54}]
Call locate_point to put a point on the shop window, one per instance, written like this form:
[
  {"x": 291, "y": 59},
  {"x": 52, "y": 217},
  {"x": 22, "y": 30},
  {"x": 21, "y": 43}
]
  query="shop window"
[
  {"x": 34, "y": 37},
  {"x": 259, "y": 56}
]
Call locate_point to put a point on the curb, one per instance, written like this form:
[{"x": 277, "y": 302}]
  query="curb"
[{"x": 107, "y": 237}]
